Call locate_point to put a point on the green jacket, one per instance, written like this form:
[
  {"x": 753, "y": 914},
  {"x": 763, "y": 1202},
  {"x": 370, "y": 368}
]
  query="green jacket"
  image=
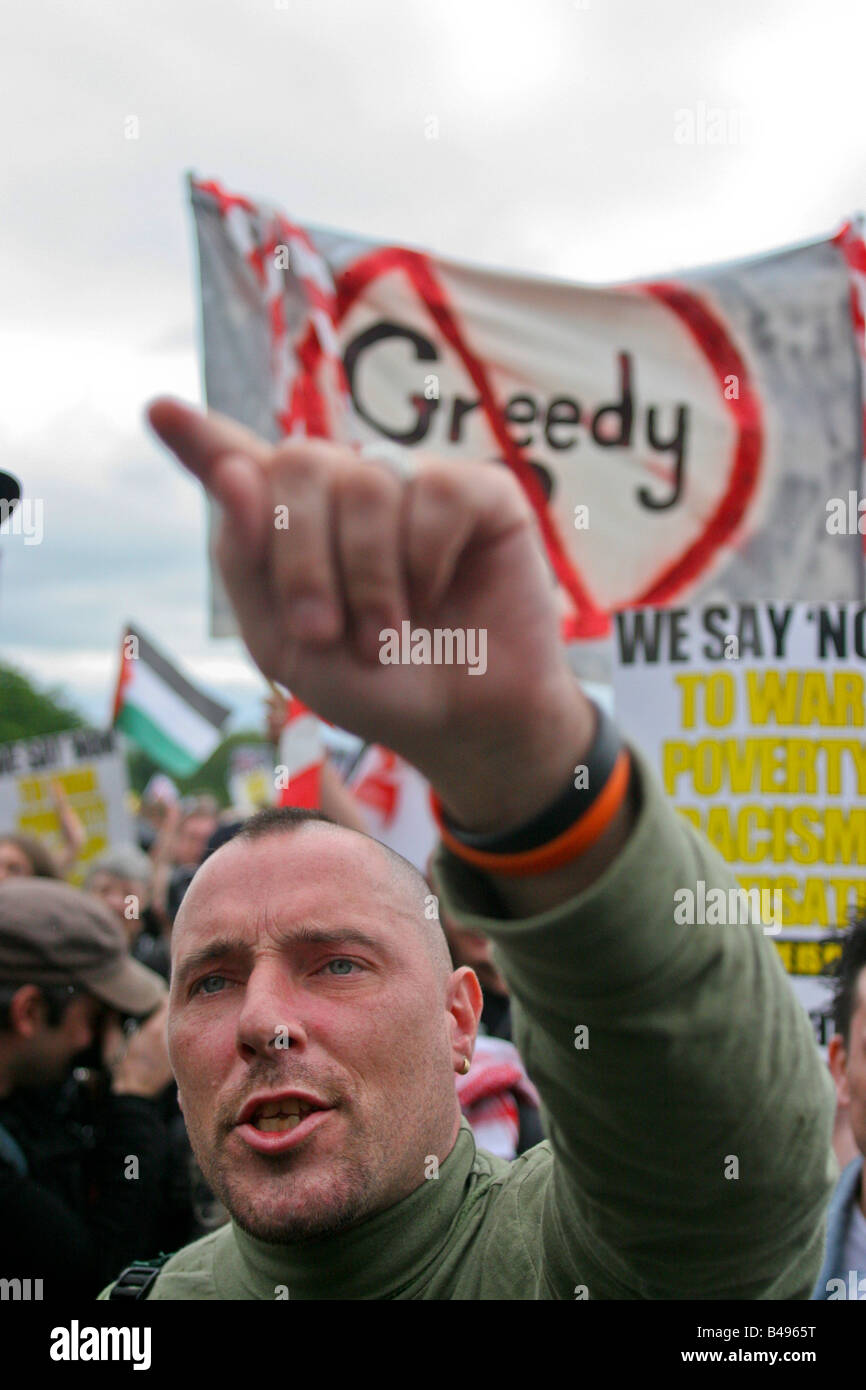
[{"x": 687, "y": 1110}]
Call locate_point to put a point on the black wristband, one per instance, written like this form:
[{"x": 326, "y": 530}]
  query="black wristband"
[{"x": 566, "y": 810}]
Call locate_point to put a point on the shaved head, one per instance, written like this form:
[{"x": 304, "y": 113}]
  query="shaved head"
[{"x": 409, "y": 883}]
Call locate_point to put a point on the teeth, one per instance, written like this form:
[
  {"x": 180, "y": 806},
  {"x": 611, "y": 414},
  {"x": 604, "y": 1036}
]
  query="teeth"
[
  {"x": 273, "y": 1123},
  {"x": 280, "y": 1114},
  {"x": 276, "y": 1107}
]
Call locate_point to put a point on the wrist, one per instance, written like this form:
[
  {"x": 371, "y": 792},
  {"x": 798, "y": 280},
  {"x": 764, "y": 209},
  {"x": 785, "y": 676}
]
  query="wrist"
[{"x": 514, "y": 774}]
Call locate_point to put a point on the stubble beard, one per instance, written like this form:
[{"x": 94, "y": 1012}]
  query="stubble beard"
[{"x": 336, "y": 1201}]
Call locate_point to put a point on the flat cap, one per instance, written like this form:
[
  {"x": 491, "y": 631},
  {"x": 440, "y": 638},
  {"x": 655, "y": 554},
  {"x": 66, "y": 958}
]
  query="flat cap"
[{"x": 53, "y": 934}]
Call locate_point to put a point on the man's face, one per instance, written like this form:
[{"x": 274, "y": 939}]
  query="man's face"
[
  {"x": 14, "y": 863},
  {"x": 322, "y": 954},
  {"x": 49, "y": 1054},
  {"x": 191, "y": 837},
  {"x": 125, "y": 897},
  {"x": 849, "y": 1066}
]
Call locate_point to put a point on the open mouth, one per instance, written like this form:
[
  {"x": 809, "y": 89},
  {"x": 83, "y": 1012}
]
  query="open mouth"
[
  {"x": 281, "y": 1123},
  {"x": 276, "y": 1116}
]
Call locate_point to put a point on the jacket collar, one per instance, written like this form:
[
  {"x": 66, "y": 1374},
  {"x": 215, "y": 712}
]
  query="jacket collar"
[{"x": 376, "y": 1259}]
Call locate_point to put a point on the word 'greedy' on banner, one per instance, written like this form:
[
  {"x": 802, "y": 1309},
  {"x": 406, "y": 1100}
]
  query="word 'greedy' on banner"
[
  {"x": 669, "y": 434},
  {"x": 753, "y": 716},
  {"x": 89, "y": 766}
]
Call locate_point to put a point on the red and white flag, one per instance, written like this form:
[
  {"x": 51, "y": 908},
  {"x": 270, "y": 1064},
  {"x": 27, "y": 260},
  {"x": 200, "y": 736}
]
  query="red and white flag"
[
  {"x": 301, "y": 754},
  {"x": 396, "y": 802}
]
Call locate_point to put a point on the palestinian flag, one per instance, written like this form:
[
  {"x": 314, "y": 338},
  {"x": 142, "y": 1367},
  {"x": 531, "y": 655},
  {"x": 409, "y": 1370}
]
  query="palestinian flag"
[{"x": 176, "y": 724}]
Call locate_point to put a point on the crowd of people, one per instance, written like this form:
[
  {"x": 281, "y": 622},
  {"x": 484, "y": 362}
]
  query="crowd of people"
[{"x": 95, "y": 1164}]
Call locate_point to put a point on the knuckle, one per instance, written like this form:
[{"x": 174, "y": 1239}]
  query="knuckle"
[
  {"x": 297, "y": 468},
  {"x": 500, "y": 481},
  {"x": 301, "y": 568},
  {"x": 368, "y": 577},
  {"x": 440, "y": 488},
  {"x": 370, "y": 597},
  {"x": 317, "y": 451},
  {"x": 369, "y": 490},
  {"x": 306, "y": 581}
]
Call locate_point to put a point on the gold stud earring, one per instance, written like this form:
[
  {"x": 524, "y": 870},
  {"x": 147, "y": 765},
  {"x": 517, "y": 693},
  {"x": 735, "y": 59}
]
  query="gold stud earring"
[{"x": 464, "y": 1070}]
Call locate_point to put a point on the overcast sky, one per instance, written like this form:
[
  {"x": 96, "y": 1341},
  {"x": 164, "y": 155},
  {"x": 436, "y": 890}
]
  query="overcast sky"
[{"x": 556, "y": 154}]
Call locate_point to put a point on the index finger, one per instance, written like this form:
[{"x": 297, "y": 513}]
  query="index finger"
[{"x": 200, "y": 440}]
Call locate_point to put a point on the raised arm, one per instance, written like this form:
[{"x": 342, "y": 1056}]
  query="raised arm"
[
  {"x": 690, "y": 1129},
  {"x": 454, "y": 549}
]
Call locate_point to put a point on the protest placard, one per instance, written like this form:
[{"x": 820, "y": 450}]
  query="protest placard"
[
  {"x": 89, "y": 766},
  {"x": 753, "y": 717}
]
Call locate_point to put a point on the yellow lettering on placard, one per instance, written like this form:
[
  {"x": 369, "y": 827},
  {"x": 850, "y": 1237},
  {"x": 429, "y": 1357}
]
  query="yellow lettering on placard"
[
  {"x": 806, "y": 697},
  {"x": 845, "y": 836},
  {"x": 40, "y": 823},
  {"x": 850, "y": 895},
  {"x": 720, "y": 699},
  {"x": 81, "y": 779},
  {"x": 808, "y": 957},
  {"x": 769, "y": 694},
  {"x": 30, "y": 789},
  {"x": 676, "y": 758},
  {"x": 756, "y": 833},
  {"x": 813, "y": 901},
  {"x": 688, "y": 685},
  {"x": 811, "y": 849},
  {"x": 720, "y": 834},
  {"x": 791, "y": 766},
  {"x": 813, "y": 910}
]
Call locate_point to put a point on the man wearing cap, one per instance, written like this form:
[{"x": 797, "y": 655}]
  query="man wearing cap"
[
  {"x": 316, "y": 1025},
  {"x": 75, "y": 1199}
]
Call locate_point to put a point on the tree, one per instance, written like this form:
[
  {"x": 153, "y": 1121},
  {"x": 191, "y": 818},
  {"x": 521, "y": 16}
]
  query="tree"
[{"x": 26, "y": 712}]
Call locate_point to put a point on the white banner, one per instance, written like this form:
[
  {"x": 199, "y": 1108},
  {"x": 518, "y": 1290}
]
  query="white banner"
[{"x": 673, "y": 435}]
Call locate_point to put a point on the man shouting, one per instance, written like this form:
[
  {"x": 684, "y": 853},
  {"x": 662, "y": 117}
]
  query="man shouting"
[{"x": 316, "y": 1024}]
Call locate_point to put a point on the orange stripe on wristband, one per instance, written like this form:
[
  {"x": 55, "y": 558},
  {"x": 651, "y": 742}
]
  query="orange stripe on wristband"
[{"x": 569, "y": 845}]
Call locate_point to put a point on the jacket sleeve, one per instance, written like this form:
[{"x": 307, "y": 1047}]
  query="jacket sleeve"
[{"x": 687, "y": 1107}]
